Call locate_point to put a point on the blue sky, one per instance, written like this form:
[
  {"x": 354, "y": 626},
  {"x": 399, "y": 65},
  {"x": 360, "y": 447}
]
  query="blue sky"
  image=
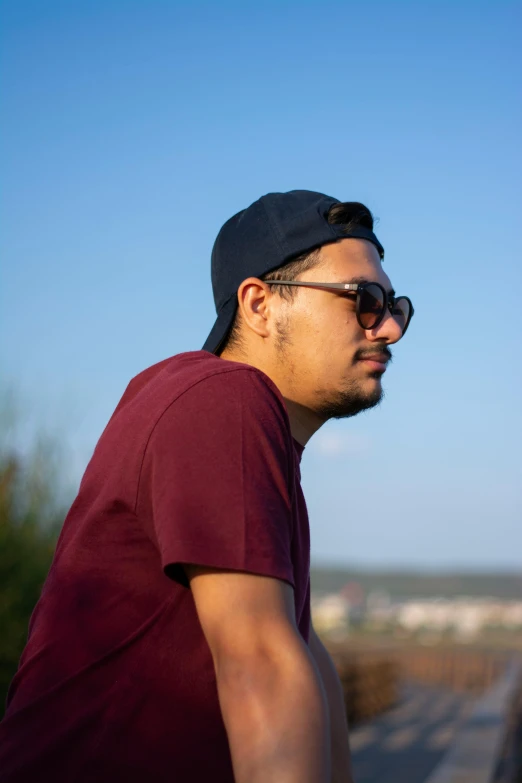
[{"x": 132, "y": 130}]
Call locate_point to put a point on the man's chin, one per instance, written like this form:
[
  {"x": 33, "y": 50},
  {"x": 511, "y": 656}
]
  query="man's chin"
[
  {"x": 375, "y": 375},
  {"x": 350, "y": 402}
]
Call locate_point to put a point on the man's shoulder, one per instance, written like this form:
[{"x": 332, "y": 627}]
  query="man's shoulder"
[
  {"x": 181, "y": 378},
  {"x": 214, "y": 409},
  {"x": 200, "y": 377}
]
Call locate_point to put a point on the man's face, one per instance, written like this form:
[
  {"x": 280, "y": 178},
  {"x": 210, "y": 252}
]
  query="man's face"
[{"x": 331, "y": 364}]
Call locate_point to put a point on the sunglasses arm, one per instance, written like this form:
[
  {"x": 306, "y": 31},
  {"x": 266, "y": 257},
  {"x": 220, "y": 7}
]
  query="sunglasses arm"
[{"x": 325, "y": 286}]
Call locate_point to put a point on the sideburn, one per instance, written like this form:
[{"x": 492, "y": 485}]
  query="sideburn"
[{"x": 283, "y": 340}]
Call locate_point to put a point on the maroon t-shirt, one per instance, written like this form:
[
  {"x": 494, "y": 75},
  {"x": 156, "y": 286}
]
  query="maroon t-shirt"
[{"x": 197, "y": 465}]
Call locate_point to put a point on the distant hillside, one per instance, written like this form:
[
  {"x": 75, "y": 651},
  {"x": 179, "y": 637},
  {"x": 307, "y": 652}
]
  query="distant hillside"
[{"x": 406, "y": 584}]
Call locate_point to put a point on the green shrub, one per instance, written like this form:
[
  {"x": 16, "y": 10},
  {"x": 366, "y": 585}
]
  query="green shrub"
[{"x": 29, "y": 525}]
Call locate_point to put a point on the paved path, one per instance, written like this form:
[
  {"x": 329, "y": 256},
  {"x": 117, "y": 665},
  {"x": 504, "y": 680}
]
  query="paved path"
[{"x": 405, "y": 744}]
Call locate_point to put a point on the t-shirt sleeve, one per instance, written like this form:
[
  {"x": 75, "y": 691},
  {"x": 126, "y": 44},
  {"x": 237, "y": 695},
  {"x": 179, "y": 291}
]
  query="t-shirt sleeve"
[{"x": 216, "y": 479}]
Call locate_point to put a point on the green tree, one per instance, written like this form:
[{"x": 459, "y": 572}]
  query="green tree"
[{"x": 30, "y": 519}]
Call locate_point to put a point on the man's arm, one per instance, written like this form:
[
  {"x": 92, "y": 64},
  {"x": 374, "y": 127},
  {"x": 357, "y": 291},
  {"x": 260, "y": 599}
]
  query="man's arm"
[
  {"x": 341, "y": 763},
  {"x": 270, "y": 692}
]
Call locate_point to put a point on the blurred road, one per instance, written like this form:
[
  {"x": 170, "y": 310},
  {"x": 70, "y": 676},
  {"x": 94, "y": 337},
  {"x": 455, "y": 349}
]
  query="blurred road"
[{"x": 405, "y": 744}]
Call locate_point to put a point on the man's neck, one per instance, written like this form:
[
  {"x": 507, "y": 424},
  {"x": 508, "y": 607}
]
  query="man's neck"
[{"x": 303, "y": 422}]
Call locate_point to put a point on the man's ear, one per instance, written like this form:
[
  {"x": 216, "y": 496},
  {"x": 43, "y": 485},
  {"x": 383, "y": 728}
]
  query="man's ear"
[{"x": 254, "y": 305}]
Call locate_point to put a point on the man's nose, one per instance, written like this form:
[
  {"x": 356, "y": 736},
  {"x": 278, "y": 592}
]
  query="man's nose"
[{"x": 388, "y": 330}]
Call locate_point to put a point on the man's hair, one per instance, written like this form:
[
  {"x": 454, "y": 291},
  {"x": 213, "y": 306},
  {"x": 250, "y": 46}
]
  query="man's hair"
[{"x": 346, "y": 214}]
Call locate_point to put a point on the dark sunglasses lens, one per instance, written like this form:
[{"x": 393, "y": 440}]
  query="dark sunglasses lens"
[
  {"x": 371, "y": 306},
  {"x": 401, "y": 312}
]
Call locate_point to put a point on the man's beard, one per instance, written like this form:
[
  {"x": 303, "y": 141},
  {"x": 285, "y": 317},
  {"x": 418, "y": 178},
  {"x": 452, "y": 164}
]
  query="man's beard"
[
  {"x": 348, "y": 401},
  {"x": 342, "y": 403}
]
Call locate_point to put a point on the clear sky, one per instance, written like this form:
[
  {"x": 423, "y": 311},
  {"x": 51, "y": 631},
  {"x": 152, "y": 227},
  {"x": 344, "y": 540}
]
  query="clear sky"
[{"x": 132, "y": 130}]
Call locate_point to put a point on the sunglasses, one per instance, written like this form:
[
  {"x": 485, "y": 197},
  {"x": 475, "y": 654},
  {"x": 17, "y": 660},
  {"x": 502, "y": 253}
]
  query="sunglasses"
[{"x": 372, "y": 301}]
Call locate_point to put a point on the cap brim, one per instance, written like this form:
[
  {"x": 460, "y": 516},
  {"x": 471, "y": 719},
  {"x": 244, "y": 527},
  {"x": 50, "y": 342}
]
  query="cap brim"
[{"x": 222, "y": 326}]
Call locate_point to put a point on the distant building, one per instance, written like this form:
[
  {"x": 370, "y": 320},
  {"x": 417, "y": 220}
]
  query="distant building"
[
  {"x": 466, "y": 617},
  {"x": 330, "y": 613}
]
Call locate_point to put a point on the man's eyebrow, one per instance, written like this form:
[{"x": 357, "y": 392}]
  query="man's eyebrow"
[{"x": 360, "y": 280}]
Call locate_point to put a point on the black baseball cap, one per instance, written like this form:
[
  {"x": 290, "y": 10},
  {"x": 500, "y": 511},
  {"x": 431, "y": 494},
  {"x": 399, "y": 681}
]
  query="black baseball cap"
[{"x": 264, "y": 236}]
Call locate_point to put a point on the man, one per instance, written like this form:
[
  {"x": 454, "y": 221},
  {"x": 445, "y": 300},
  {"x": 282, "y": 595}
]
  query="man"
[{"x": 172, "y": 640}]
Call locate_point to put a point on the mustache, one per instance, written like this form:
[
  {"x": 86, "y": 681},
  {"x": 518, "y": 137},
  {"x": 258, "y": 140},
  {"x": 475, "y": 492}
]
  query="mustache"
[{"x": 373, "y": 353}]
